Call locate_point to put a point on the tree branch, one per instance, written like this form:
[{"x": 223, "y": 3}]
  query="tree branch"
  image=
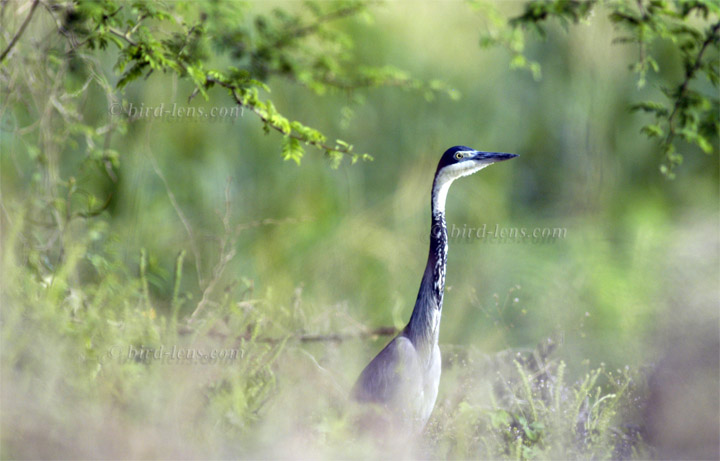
[
  {"x": 340, "y": 149},
  {"x": 266, "y": 120},
  {"x": 20, "y": 31},
  {"x": 689, "y": 74},
  {"x": 303, "y": 338},
  {"x": 310, "y": 28},
  {"x": 124, "y": 35}
]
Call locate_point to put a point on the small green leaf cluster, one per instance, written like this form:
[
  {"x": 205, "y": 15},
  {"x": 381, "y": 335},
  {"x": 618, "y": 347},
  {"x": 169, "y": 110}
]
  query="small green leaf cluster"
[
  {"x": 691, "y": 27},
  {"x": 511, "y": 33}
]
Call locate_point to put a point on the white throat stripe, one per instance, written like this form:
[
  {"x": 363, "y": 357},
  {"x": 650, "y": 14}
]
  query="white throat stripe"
[{"x": 446, "y": 177}]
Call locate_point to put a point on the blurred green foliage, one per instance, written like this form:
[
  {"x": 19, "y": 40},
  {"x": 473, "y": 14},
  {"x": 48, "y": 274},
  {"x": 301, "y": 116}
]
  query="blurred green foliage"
[{"x": 125, "y": 228}]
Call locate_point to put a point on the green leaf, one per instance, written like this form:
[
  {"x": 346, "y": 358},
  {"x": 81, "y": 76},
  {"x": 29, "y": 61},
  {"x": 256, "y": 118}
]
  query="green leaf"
[
  {"x": 652, "y": 131},
  {"x": 650, "y": 106},
  {"x": 292, "y": 150}
]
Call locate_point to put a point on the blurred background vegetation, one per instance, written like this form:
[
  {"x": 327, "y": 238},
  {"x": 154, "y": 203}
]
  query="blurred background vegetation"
[{"x": 122, "y": 231}]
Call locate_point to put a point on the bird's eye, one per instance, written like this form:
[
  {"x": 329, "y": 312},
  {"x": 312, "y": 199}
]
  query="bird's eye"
[{"x": 459, "y": 155}]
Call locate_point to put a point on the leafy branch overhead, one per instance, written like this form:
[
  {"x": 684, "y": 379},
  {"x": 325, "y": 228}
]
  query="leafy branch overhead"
[
  {"x": 190, "y": 39},
  {"x": 690, "y": 112}
]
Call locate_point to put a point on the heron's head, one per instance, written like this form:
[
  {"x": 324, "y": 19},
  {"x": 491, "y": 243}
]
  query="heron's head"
[
  {"x": 457, "y": 162},
  {"x": 461, "y": 161}
]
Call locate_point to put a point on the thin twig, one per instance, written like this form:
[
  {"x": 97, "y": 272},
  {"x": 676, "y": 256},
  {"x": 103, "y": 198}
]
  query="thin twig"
[
  {"x": 226, "y": 255},
  {"x": 338, "y": 338},
  {"x": 266, "y": 120},
  {"x": 123, "y": 35},
  {"x": 74, "y": 44},
  {"x": 310, "y": 28},
  {"x": 217, "y": 272},
  {"x": 349, "y": 85},
  {"x": 269, "y": 222},
  {"x": 20, "y": 31},
  {"x": 181, "y": 215},
  {"x": 302, "y": 338},
  {"x": 336, "y": 387}
]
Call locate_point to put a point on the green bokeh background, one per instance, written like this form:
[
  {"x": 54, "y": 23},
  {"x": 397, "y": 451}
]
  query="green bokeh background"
[{"x": 638, "y": 263}]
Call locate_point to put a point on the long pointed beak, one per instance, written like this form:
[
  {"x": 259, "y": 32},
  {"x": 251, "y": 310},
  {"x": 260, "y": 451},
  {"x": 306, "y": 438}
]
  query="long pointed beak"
[{"x": 491, "y": 157}]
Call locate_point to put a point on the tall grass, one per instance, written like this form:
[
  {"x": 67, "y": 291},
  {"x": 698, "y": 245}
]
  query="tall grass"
[{"x": 89, "y": 371}]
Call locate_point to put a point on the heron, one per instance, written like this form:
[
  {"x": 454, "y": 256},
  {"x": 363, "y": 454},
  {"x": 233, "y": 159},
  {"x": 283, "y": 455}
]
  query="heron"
[{"x": 403, "y": 378}]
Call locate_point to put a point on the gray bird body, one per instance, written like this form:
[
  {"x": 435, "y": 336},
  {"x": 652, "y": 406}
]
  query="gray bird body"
[{"x": 405, "y": 375}]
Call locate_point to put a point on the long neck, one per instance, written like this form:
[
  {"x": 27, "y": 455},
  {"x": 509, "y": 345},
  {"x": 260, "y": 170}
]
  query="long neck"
[{"x": 424, "y": 324}]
